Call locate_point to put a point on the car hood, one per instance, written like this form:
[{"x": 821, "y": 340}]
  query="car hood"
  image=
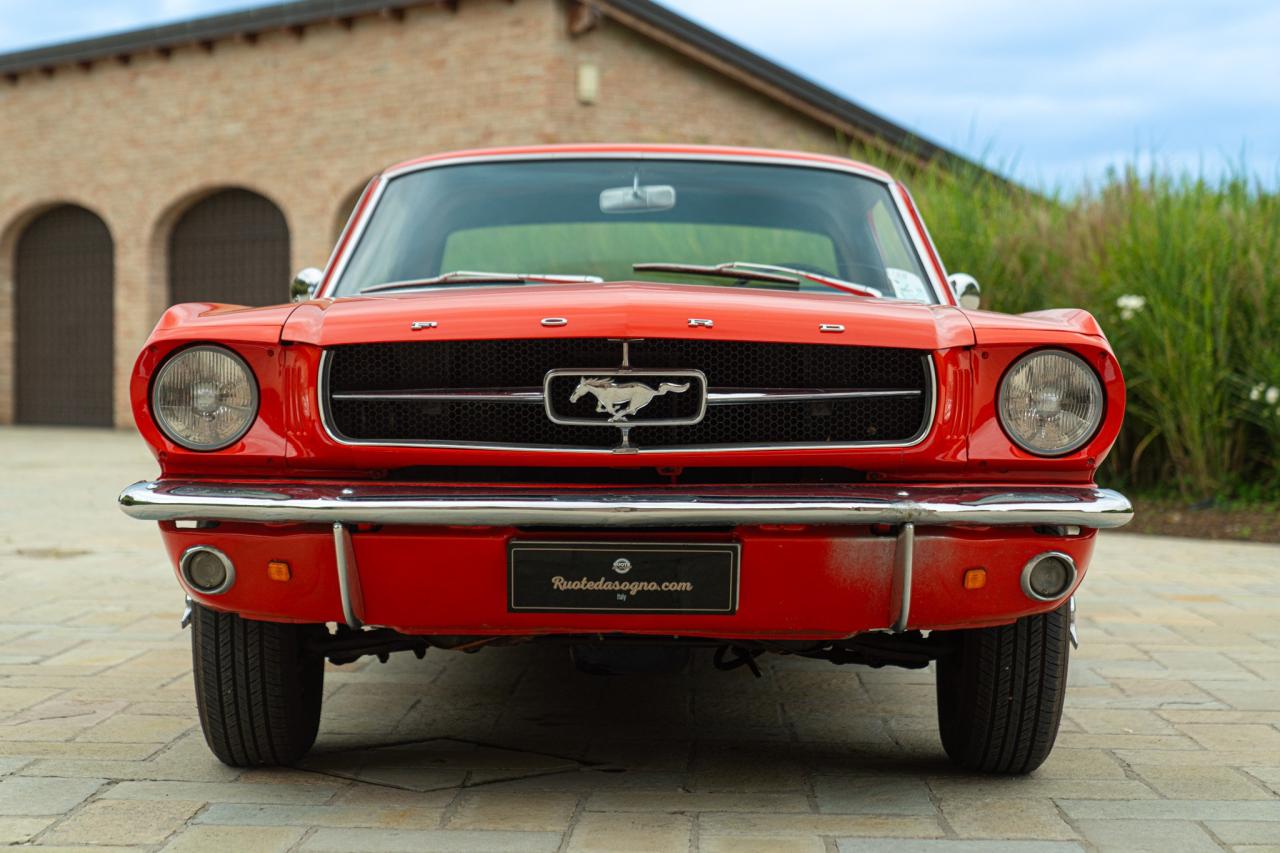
[{"x": 627, "y": 310}]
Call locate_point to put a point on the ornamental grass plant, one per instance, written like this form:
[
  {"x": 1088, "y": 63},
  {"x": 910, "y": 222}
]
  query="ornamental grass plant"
[{"x": 1182, "y": 271}]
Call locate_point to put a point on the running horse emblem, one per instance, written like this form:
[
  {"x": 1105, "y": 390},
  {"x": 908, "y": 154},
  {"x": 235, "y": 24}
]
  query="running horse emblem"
[{"x": 620, "y": 400}]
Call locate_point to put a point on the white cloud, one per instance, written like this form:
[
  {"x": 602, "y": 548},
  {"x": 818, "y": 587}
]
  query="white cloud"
[{"x": 1062, "y": 87}]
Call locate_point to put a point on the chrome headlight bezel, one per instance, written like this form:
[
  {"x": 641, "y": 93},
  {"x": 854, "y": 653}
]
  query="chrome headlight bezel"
[
  {"x": 169, "y": 430},
  {"x": 1093, "y": 421}
]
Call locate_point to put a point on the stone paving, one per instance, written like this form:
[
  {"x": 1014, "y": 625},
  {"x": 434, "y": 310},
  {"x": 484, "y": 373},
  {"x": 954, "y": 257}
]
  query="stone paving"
[{"x": 1171, "y": 740}]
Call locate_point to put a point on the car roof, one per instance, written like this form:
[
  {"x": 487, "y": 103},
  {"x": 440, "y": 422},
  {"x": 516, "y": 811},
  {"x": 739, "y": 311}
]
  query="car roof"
[{"x": 695, "y": 152}]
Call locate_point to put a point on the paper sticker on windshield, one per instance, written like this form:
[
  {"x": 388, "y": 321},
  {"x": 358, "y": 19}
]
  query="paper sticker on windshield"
[{"x": 907, "y": 285}]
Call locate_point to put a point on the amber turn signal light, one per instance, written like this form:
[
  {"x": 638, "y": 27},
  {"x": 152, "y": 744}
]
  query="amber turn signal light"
[
  {"x": 975, "y": 578},
  {"x": 278, "y": 570}
]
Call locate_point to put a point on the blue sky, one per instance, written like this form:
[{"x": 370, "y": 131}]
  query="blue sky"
[{"x": 1053, "y": 92}]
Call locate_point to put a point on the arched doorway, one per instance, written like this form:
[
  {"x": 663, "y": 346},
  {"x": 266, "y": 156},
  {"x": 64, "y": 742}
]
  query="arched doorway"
[
  {"x": 233, "y": 247},
  {"x": 64, "y": 272}
]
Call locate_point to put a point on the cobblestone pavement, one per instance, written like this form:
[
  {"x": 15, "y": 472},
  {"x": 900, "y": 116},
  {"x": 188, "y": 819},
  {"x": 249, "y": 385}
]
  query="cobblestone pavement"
[{"x": 1171, "y": 740}]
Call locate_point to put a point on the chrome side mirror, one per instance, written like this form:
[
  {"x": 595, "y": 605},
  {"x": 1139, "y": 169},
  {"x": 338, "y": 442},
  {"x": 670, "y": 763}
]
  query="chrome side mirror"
[
  {"x": 305, "y": 284},
  {"x": 967, "y": 290}
]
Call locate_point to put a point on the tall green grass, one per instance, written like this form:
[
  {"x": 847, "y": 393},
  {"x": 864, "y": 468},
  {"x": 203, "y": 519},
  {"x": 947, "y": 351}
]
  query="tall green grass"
[{"x": 1184, "y": 274}]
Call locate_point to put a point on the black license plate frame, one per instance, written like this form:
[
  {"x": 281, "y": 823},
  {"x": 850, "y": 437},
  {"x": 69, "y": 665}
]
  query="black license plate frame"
[{"x": 590, "y": 577}]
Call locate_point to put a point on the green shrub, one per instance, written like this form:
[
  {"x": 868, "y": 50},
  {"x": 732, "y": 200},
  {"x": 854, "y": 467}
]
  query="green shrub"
[{"x": 1184, "y": 274}]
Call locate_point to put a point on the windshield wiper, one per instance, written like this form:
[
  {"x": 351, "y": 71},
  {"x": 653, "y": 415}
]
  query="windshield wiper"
[
  {"x": 762, "y": 272},
  {"x": 473, "y": 277}
]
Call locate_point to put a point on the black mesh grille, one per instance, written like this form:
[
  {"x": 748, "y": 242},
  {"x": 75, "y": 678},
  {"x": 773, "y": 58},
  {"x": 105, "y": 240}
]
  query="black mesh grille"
[
  {"x": 508, "y": 364},
  {"x": 465, "y": 364}
]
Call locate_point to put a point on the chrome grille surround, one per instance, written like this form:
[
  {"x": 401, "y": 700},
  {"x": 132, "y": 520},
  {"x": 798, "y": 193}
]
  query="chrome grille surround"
[{"x": 520, "y": 397}]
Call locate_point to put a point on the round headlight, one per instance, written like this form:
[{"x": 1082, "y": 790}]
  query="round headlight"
[
  {"x": 204, "y": 398},
  {"x": 1050, "y": 402}
]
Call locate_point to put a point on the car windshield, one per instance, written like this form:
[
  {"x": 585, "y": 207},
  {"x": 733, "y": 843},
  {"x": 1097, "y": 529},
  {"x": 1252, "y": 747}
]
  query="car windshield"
[{"x": 573, "y": 218}]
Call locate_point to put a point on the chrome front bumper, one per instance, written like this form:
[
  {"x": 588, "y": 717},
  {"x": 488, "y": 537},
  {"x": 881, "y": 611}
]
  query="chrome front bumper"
[
  {"x": 169, "y": 500},
  {"x": 340, "y": 506}
]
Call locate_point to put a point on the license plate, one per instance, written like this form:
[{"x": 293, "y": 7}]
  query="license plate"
[{"x": 608, "y": 577}]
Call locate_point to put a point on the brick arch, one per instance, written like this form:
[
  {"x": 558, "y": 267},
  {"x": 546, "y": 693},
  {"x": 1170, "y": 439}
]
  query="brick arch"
[
  {"x": 225, "y": 244},
  {"x": 57, "y": 272}
]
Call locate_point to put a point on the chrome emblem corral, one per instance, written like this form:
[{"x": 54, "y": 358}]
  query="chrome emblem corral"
[
  {"x": 622, "y": 565},
  {"x": 624, "y": 397},
  {"x": 620, "y": 400}
]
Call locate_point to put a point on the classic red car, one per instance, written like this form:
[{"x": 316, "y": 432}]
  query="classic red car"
[{"x": 635, "y": 400}]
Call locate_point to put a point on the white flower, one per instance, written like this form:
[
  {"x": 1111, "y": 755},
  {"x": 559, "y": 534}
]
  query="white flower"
[
  {"x": 1255, "y": 393},
  {"x": 1129, "y": 305},
  {"x": 1272, "y": 396}
]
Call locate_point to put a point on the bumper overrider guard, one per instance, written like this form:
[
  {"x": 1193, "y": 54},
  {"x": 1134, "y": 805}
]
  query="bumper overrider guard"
[{"x": 904, "y": 508}]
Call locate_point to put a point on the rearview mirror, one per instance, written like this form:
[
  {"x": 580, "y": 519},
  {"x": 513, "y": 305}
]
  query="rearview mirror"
[
  {"x": 638, "y": 198},
  {"x": 305, "y": 284},
  {"x": 967, "y": 290}
]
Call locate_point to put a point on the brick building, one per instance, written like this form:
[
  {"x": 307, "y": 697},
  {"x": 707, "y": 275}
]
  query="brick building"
[{"x": 209, "y": 159}]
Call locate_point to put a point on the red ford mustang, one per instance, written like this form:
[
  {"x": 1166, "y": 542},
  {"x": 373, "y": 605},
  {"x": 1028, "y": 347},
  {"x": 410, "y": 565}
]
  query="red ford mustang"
[{"x": 634, "y": 400}]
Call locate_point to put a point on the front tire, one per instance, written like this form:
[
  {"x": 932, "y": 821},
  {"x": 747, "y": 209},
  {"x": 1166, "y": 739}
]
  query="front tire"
[
  {"x": 258, "y": 687},
  {"x": 1000, "y": 693}
]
